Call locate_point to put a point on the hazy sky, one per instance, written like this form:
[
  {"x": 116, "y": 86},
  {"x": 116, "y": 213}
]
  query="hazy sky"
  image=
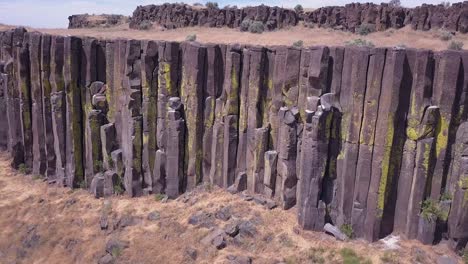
[{"x": 54, "y": 13}]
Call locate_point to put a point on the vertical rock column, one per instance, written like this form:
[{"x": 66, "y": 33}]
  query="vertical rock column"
[
  {"x": 74, "y": 171},
  {"x": 388, "y": 142},
  {"x": 149, "y": 88},
  {"x": 366, "y": 139},
  {"x": 38, "y": 131},
  {"x": 132, "y": 121},
  {"x": 168, "y": 77},
  {"x": 88, "y": 76},
  {"x": 11, "y": 68},
  {"x": 191, "y": 94},
  {"x": 313, "y": 165},
  {"x": 417, "y": 163},
  {"x": 175, "y": 148},
  {"x": 58, "y": 106},
  {"x": 286, "y": 180},
  {"x": 352, "y": 102},
  {"x": 446, "y": 95},
  {"x": 47, "y": 106},
  {"x": 255, "y": 91},
  {"x": 214, "y": 81},
  {"x": 231, "y": 89},
  {"x": 458, "y": 217},
  {"x": 24, "y": 88}
]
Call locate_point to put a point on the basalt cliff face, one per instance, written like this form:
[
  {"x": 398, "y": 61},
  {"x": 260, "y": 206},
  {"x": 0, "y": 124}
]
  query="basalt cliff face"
[
  {"x": 375, "y": 139},
  {"x": 349, "y": 17}
]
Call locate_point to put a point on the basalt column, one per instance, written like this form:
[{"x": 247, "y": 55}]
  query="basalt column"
[
  {"x": 418, "y": 152},
  {"x": 352, "y": 103},
  {"x": 255, "y": 93},
  {"x": 168, "y": 77},
  {"x": 39, "y": 146},
  {"x": 388, "y": 144},
  {"x": 312, "y": 168},
  {"x": 149, "y": 87},
  {"x": 24, "y": 88},
  {"x": 214, "y": 65},
  {"x": 458, "y": 218},
  {"x": 191, "y": 94},
  {"x": 58, "y": 106},
  {"x": 47, "y": 106},
  {"x": 132, "y": 120},
  {"x": 74, "y": 171},
  {"x": 446, "y": 95},
  {"x": 87, "y": 76},
  {"x": 286, "y": 179},
  {"x": 366, "y": 139},
  {"x": 175, "y": 148}
]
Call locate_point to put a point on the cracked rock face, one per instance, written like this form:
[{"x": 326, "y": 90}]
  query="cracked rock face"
[{"x": 367, "y": 140}]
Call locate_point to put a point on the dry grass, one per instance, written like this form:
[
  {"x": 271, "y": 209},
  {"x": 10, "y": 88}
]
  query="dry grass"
[
  {"x": 315, "y": 36},
  {"x": 67, "y": 223}
]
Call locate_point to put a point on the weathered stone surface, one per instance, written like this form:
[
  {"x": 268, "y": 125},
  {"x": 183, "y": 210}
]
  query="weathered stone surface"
[
  {"x": 175, "y": 153},
  {"x": 191, "y": 94},
  {"x": 108, "y": 138},
  {"x": 366, "y": 139},
  {"x": 46, "y": 72},
  {"x": 269, "y": 178},
  {"x": 312, "y": 169},
  {"x": 74, "y": 170},
  {"x": 286, "y": 179},
  {"x": 149, "y": 88},
  {"x": 336, "y": 232}
]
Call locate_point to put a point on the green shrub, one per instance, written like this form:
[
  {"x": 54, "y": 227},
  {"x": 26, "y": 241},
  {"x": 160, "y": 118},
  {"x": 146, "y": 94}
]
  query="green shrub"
[
  {"x": 360, "y": 43},
  {"x": 446, "y": 197},
  {"x": 455, "y": 45},
  {"x": 315, "y": 255},
  {"x": 350, "y": 256},
  {"x": 118, "y": 186},
  {"x": 23, "y": 169},
  {"x": 298, "y": 9},
  {"x": 212, "y": 5},
  {"x": 395, "y": 3},
  {"x": 159, "y": 197},
  {"x": 445, "y": 35},
  {"x": 145, "y": 25},
  {"x": 347, "y": 229},
  {"x": 465, "y": 256},
  {"x": 365, "y": 29},
  {"x": 389, "y": 258},
  {"x": 38, "y": 177},
  {"x": 256, "y": 27},
  {"x": 191, "y": 37},
  {"x": 298, "y": 44},
  {"x": 245, "y": 24},
  {"x": 431, "y": 211}
]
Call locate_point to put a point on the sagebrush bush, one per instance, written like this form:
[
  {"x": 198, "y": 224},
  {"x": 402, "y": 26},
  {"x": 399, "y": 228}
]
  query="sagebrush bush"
[
  {"x": 257, "y": 27},
  {"x": 191, "y": 37},
  {"x": 245, "y": 24},
  {"x": 298, "y": 9},
  {"x": 445, "y": 35},
  {"x": 360, "y": 43},
  {"x": 145, "y": 25},
  {"x": 455, "y": 45},
  {"x": 298, "y": 44},
  {"x": 365, "y": 29}
]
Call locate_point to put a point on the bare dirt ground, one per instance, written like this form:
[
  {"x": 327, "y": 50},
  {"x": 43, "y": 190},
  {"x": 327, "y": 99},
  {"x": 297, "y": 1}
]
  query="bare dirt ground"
[
  {"x": 41, "y": 223},
  {"x": 316, "y": 36}
]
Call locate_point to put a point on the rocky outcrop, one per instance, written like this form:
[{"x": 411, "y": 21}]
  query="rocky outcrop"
[
  {"x": 368, "y": 139},
  {"x": 172, "y": 16},
  {"x": 96, "y": 21},
  {"x": 384, "y": 16}
]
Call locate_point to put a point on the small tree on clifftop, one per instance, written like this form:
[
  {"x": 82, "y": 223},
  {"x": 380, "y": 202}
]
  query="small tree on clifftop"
[
  {"x": 299, "y": 9},
  {"x": 395, "y": 3}
]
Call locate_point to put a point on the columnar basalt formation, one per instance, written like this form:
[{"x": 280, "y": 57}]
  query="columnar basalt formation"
[
  {"x": 95, "y": 21},
  {"x": 384, "y": 16},
  {"x": 372, "y": 139},
  {"x": 180, "y": 15},
  {"x": 349, "y": 17}
]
